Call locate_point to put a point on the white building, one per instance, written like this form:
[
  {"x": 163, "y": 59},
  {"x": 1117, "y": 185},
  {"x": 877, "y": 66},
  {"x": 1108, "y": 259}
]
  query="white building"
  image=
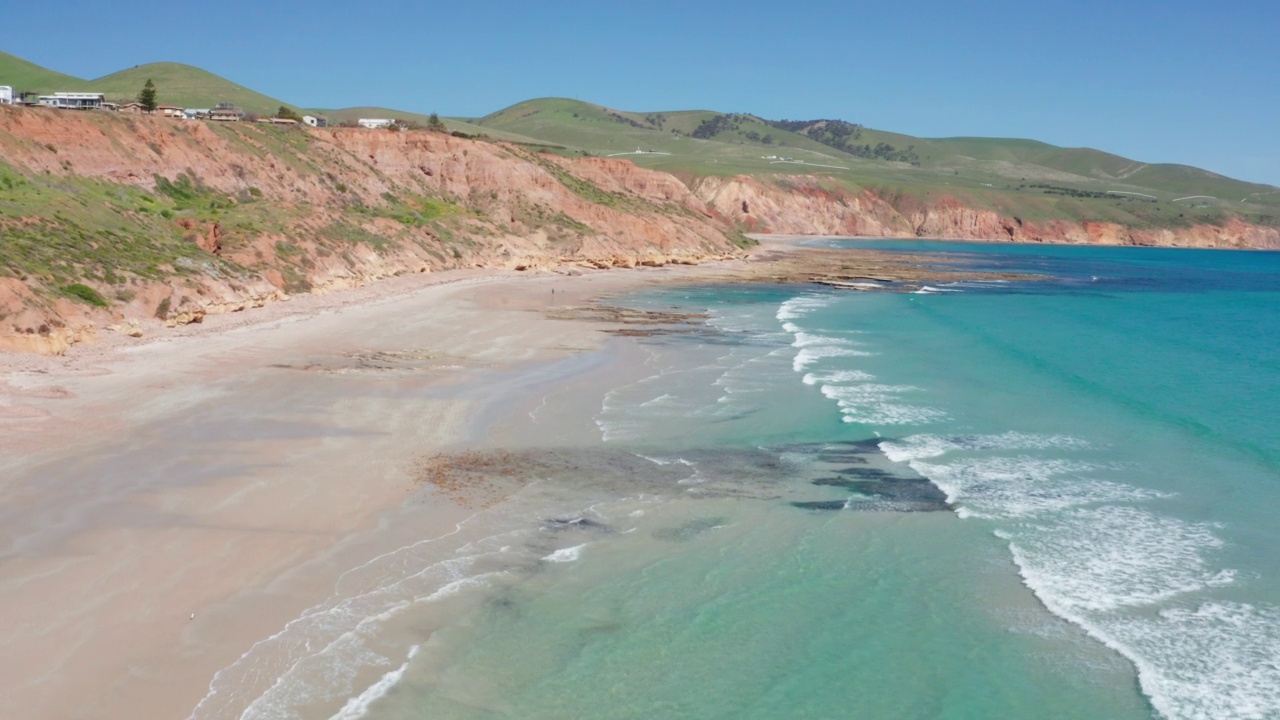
[
  {"x": 315, "y": 122},
  {"x": 374, "y": 123},
  {"x": 6, "y": 95},
  {"x": 73, "y": 101}
]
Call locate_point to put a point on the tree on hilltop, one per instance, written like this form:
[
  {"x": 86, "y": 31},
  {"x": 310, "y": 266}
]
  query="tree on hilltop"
[
  {"x": 435, "y": 123},
  {"x": 288, "y": 114},
  {"x": 147, "y": 97}
]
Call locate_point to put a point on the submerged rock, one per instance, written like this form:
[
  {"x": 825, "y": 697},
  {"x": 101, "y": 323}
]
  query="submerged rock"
[
  {"x": 575, "y": 523},
  {"x": 821, "y": 505}
]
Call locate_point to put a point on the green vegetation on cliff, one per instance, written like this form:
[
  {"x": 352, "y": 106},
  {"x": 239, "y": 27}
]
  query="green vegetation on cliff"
[{"x": 1021, "y": 178}]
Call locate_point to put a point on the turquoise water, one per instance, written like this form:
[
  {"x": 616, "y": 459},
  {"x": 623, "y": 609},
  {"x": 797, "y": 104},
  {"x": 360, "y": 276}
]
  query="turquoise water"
[{"x": 983, "y": 500}]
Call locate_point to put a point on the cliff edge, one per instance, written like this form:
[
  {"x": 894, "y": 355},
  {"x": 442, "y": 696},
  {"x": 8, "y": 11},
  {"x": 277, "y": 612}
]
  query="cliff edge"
[{"x": 106, "y": 219}]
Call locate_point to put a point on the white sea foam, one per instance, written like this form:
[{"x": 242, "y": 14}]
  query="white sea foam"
[
  {"x": 461, "y": 584},
  {"x": 930, "y": 290},
  {"x": 1217, "y": 660},
  {"x": 1132, "y": 578},
  {"x": 746, "y": 377},
  {"x": 798, "y": 307},
  {"x": 810, "y": 355},
  {"x": 1114, "y": 556},
  {"x": 1203, "y": 661},
  {"x": 733, "y": 323},
  {"x": 565, "y": 555},
  {"x": 919, "y": 447},
  {"x": 663, "y": 399},
  {"x": 1005, "y": 487},
  {"x": 839, "y": 376},
  {"x": 316, "y": 657},
  {"x": 804, "y": 339},
  {"x": 359, "y": 705},
  {"x": 878, "y": 404}
]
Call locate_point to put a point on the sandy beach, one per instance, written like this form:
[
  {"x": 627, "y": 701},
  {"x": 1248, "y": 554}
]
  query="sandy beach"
[{"x": 169, "y": 502}]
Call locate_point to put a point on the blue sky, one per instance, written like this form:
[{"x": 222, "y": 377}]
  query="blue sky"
[{"x": 1171, "y": 81}]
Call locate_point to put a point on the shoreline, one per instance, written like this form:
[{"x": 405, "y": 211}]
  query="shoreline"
[
  {"x": 214, "y": 482},
  {"x": 794, "y": 239},
  {"x": 170, "y": 503}
]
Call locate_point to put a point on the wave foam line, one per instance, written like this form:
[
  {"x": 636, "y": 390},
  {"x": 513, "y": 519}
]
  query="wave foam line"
[
  {"x": 362, "y": 597},
  {"x": 1217, "y": 660},
  {"x": 357, "y": 707},
  {"x": 1003, "y": 488},
  {"x": 804, "y": 339},
  {"x": 810, "y": 355},
  {"x": 838, "y": 376},
  {"x": 798, "y": 307},
  {"x": 566, "y": 555},
  {"x": 1132, "y": 579},
  {"x": 920, "y": 447},
  {"x": 877, "y": 404}
]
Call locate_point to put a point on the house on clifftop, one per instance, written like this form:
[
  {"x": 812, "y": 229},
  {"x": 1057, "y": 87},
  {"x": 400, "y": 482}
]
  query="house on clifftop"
[
  {"x": 72, "y": 101},
  {"x": 226, "y": 112}
]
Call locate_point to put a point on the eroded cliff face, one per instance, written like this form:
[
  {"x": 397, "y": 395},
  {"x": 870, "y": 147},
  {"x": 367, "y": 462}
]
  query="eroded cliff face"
[
  {"x": 178, "y": 220},
  {"x": 809, "y": 206},
  {"x": 261, "y": 213}
]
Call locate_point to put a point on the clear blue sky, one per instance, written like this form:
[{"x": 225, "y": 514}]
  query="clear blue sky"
[{"x": 1158, "y": 81}]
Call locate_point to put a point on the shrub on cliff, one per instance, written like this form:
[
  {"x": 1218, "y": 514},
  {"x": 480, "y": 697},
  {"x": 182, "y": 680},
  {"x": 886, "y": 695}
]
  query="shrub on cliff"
[{"x": 85, "y": 293}]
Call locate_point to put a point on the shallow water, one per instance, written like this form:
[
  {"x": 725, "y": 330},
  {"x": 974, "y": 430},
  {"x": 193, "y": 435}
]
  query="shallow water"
[{"x": 985, "y": 500}]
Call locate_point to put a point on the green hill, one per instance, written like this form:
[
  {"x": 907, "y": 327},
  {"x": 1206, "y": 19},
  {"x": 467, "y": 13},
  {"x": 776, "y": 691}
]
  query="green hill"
[
  {"x": 22, "y": 75},
  {"x": 176, "y": 84},
  {"x": 184, "y": 85},
  {"x": 352, "y": 114},
  {"x": 1027, "y": 178}
]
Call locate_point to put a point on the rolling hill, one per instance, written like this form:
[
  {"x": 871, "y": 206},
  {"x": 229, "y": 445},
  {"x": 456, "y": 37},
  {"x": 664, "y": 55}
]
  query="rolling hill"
[
  {"x": 186, "y": 86},
  {"x": 1023, "y": 178},
  {"x": 176, "y": 84},
  {"x": 23, "y": 75},
  {"x": 1026, "y": 178},
  {"x": 105, "y": 214}
]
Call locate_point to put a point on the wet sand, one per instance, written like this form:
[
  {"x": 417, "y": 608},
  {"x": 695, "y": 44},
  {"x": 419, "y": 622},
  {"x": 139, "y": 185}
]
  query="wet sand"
[{"x": 167, "y": 503}]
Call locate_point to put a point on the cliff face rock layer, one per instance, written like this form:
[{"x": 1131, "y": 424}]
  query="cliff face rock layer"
[
  {"x": 177, "y": 220},
  {"x": 105, "y": 219},
  {"x": 808, "y": 206}
]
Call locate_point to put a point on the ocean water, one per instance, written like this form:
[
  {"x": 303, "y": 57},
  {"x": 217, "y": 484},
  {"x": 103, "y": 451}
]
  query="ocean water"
[{"x": 1043, "y": 498}]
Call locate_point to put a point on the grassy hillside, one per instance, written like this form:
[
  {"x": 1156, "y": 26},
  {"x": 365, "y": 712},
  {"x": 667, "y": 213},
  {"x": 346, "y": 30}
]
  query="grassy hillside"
[
  {"x": 184, "y": 85},
  {"x": 176, "y": 84},
  {"x": 23, "y": 75},
  {"x": 352, "y": 114},
  {"x": 1027, "y": 178}
]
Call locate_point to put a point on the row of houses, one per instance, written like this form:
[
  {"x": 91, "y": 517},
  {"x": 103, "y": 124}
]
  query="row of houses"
[{"x": 222, "y": 112}]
